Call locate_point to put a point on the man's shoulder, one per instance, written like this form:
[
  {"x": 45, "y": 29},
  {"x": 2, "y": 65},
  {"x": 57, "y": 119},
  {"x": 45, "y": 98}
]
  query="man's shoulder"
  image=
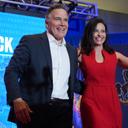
[
  {"x": 33, "y": 39},
  {"x": 71, "y": 46},
  {"x": 34, "y": 36}
]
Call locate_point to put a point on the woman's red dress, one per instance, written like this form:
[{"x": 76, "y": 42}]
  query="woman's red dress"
[{"x": 100, "y": 106}]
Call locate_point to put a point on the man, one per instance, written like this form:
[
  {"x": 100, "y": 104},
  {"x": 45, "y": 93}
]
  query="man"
[{"x": 40, "y": 76}]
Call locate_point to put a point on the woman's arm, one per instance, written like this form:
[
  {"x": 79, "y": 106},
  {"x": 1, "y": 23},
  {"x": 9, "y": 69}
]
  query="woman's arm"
[{"x": 122, "y": 60}]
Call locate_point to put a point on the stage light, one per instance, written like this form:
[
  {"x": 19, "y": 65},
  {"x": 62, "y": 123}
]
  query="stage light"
[{"x": 72, "y": 6}]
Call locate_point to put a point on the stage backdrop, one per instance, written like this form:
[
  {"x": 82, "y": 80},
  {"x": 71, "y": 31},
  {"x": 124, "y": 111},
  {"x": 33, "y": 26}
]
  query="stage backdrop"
[{"x": 13, "y": 27}]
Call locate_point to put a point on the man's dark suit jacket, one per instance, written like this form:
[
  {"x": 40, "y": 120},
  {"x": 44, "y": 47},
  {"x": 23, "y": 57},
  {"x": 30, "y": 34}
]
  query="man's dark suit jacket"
[{"x": 29, "y": 73}]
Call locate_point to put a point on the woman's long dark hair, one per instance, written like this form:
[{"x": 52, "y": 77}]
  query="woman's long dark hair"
[{"x": 87, "y": 43}]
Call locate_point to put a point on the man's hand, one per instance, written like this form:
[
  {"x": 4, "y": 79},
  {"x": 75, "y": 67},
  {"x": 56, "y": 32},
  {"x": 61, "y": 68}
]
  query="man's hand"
[{"x": 22, "y": 110}]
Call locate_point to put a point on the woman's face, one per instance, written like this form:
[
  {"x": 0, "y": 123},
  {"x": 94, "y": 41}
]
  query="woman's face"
[{"x": 99, "y": 34}]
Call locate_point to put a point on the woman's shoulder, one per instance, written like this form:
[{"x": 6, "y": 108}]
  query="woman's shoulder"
[{"x": 118, "y": 54}]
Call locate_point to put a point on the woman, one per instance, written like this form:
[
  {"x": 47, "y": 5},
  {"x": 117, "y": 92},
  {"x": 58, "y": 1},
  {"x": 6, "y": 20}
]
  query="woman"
[{"x": 100, "y": 106}]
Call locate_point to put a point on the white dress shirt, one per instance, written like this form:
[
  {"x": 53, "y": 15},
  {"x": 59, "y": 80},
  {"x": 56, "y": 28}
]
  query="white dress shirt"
[{"x": 60, "y": 67}]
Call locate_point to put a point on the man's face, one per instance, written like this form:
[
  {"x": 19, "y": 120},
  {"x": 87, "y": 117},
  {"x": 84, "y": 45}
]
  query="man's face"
[{"x": 57, "y": 23}]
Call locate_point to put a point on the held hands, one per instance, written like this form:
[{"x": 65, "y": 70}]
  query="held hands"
[
  {"x": 78, "y": 103},
  {"x": 22, "y": 111}
]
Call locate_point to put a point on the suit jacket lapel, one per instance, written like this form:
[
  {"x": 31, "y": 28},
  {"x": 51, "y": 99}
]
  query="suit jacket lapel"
[
  {"x": 47, "y": 52},
  {"x": 70, "y": 58}
]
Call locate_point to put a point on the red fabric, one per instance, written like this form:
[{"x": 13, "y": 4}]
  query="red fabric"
[{"x": 100, "y": 106}]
